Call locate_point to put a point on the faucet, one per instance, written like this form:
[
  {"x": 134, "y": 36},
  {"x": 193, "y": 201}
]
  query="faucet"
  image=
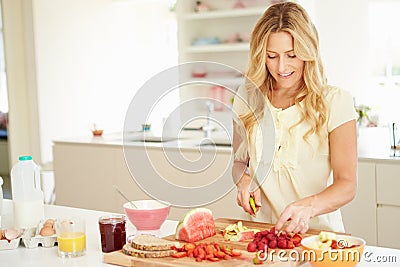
[{"x": 208, "y": 128}]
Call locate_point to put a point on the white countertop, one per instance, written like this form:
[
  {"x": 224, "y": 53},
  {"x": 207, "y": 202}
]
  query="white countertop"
[
  {"x": 38, "y": 257},
  {"x": 372, "y": 143},
  {"x": 41, "y": 257}
]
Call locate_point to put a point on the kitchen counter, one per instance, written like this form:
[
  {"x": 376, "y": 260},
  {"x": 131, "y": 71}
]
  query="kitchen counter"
[
  {"x": 189, "y": 140},
  {"x": 373, "y": 256},
  {"x": 372, "y": 144}
]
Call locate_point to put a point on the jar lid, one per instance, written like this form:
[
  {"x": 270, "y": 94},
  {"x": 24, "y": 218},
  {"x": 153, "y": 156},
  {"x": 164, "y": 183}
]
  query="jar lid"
[{"x": 21, "y": 158}]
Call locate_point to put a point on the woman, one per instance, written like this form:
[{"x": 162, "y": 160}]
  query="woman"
[{"x": 314, "y": 160}]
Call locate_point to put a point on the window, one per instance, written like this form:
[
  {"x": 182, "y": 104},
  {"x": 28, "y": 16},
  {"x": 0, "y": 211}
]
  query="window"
[{"x": 383, "y": 92}]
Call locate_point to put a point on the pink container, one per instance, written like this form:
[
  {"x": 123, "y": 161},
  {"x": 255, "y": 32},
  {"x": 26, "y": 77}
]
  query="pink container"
[{"x": 149, "y": 215}]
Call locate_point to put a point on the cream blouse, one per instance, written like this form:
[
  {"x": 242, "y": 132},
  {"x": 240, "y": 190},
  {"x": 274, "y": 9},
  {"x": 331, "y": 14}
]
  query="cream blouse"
[{"x": 292, "y": 169}]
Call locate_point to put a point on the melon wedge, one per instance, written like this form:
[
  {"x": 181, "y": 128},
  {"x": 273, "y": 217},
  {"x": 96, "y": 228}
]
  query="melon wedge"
[{"x": 196, "y": 225}]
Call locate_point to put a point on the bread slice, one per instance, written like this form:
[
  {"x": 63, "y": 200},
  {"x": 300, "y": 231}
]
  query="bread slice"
[
  {"x": 151, "y": 243},
  {"x": 129, "y": 250}
]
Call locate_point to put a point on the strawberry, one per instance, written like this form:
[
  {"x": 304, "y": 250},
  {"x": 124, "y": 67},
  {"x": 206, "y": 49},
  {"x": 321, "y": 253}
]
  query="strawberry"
[
  {"x": 296, "y": 238},
  {"x": 272, "y": 244},
  {"x": 290, "y": 245},
  {"x": 179, "y": 254},
  {"x": 236, "y": 253},
  {"x": 282, "y": 243},
  {"x": 189, "y": 246},
  {"x": 251, "y": 247}
]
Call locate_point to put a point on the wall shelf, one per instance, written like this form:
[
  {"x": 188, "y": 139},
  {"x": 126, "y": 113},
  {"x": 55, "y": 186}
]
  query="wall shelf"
[
  {"x": 217, "y": 48},
  {"x": 229, "y": 13}
]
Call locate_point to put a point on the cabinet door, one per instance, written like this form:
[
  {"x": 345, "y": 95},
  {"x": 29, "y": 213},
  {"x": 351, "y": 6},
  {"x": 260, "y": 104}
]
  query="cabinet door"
[
  {"x": 388, "y": 183},
  {"x": 359, "y": 216},
  {"x": 388, "y": 226},
  {"x": 84, "y": 176}
]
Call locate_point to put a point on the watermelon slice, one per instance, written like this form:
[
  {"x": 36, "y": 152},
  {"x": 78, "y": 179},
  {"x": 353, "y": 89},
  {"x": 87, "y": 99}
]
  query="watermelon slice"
[{"x": 196, "y": 225}]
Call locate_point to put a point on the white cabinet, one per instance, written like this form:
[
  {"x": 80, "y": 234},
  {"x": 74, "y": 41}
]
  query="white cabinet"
[
  {"x": 388, "y": 226},
  {"x": 85, "y": 175},
  {"x": 388, "y": 215},
  {"x": 359, "y": 216}
]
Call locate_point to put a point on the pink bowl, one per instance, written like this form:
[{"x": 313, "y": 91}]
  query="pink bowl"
[{"x": 149, "y": 215}]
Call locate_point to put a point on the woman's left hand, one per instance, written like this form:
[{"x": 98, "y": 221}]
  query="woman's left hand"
[{"x": 298, "y": 215}]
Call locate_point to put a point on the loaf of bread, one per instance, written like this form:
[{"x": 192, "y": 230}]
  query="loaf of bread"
[
  {"x": 129, "y": 250},
  {"x": 151, "y": 243}
]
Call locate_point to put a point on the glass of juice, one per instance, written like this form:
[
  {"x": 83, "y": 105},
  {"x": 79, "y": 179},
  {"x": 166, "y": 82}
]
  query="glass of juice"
[
  {"x": 112, "y": 232},
  {"x": 71, "y": 237}
]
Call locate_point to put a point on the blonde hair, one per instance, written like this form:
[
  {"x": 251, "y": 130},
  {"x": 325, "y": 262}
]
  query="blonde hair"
[{"x": 293, "y": 19}]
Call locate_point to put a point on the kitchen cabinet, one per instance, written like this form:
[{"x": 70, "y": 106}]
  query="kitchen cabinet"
[
  {"x": 85, "y": 175},
  {"x": 388, "y": 200},
  {"x": 388, "y": 226},
  {"x": 359, "y": 216}
]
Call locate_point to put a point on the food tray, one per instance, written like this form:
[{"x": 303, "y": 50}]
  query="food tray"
[
  {"x": 13, "y": 244},
  {"x": 32, "y": 238}
]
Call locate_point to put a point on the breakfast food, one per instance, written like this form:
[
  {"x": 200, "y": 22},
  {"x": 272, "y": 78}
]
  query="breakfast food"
[
  {"x": 47, "y": 231},
  {"x": 1, "y": 234},
  {"x": 273, "y": 239},
  {"x": 47, "y": 228},
  {"x": 148, "y": 246},
  {"x": 196, "y": 225},
  {"x": 206, "y": 251},
  {"x": 11, "y": 233},
  {"x": 151, "y": 243},
  {"x": 129, "y": 250},
  {"x": 328, "y": 240},
  {"x": 238, "y": 232}
]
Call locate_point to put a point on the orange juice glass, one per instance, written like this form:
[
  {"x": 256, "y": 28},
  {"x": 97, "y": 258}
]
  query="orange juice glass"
[{"x": 71, "y": 237}]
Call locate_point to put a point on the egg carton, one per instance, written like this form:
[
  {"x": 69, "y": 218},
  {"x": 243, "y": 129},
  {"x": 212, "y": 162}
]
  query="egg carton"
[
  {"x": 32, "y": 238},
  {"x": 12, "y": 244}
]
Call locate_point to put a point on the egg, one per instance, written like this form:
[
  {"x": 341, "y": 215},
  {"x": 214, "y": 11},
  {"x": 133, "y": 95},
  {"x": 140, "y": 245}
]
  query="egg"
[
  {"x": 50, "y": 225},
  {"x": 49, "y": 221},
  {"x": 47, "y": 231},
  {"x": 11, "y": 233}
]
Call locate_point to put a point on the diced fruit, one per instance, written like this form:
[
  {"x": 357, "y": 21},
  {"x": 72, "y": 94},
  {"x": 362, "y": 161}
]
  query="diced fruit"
[
  {"x": 282, "y": 243},
  {"x": 236, "y": 253},
  {"x": 189, "y": 246},
  {"x": 238, "y": 232},
  {"x": 273, "y": 244},
  {"x": 179, "y": 254},
  {"x": 274, "y": 239},
  {"x": 257, "y": 261},
  {"x": 245, "y": 235},
  {"x": 251, "y": 247},
  {"x": 196, "y": 225}
]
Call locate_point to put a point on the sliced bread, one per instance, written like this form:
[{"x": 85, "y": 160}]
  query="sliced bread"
[
  {"x": 129, "y": 250},
  {"x": 152, "y": 243}
]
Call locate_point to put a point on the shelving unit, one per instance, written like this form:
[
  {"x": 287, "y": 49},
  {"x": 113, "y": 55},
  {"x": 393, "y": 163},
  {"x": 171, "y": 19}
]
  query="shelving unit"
[{"x": 232, "y": 27}]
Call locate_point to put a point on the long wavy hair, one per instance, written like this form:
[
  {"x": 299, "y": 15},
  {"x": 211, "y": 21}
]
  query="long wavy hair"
[{"x": 292, "y": 18}]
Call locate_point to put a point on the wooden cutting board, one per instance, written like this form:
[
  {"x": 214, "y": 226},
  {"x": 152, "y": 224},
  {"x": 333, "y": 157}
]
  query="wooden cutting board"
[{"x": 118, "y": 258}]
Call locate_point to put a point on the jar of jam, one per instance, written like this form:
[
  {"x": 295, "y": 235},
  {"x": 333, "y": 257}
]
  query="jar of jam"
[{"x": 112, "y": 232}]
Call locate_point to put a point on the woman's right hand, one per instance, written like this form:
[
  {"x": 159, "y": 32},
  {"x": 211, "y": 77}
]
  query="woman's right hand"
[{"x": 243, "y": 196}]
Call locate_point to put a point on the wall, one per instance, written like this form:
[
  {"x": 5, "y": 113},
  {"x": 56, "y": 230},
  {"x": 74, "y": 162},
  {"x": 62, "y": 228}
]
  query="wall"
[
  {"x": 23, "y": 127},
  {"x": 91, "y": 57},
  {"x": 343, "y": 30}
]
